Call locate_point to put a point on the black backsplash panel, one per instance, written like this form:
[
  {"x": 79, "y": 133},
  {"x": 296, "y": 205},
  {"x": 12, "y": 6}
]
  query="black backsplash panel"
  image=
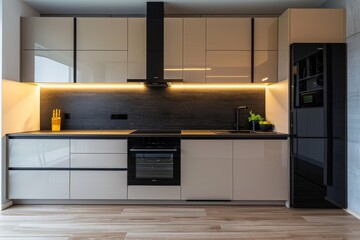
[{"x": 150, "y": 108}]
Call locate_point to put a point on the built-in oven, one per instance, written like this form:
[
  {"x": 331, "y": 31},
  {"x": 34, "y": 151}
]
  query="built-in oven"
[{"x": 153, "y": 160}]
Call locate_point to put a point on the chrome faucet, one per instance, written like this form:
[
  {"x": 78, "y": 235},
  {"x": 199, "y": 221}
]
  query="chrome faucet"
[{"x": 237, "y": 115}]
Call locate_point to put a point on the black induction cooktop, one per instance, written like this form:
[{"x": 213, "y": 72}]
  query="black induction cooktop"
[{"x": 158, "y": 131}]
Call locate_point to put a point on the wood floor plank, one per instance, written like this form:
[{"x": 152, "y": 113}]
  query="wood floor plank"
[{"x": 126, "y": 222}]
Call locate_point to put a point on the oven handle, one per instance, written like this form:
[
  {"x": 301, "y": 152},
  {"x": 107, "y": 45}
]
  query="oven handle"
[{"x": 153, "y": 150}]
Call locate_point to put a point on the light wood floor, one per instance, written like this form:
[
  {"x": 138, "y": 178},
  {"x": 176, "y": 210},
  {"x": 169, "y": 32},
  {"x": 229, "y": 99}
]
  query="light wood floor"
[{"x": 175, "y": 222}]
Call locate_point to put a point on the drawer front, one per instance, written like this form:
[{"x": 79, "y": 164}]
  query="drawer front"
[
  {"x": 39, "y": 153},
  {"x": 98, "y": 160},
  {"x": 38, "y": 184},
  {"x": 98, "y": 185},
  {"x": 98, "y": 146},
  {"x": 154, "y": 192}
]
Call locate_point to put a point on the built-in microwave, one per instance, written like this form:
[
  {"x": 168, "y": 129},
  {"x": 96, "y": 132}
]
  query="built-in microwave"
[{"x": 312, "y": 99}]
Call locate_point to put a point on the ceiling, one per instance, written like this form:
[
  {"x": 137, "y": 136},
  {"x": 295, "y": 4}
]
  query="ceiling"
[{"x": 172, "y": 7}]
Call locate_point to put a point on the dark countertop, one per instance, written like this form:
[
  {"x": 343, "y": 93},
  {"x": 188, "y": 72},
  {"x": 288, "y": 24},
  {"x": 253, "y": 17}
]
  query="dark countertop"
[{"x": 122, "y": 134}]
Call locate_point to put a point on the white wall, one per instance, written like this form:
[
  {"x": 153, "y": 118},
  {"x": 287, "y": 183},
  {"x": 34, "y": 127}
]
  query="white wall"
[
  {"x": 277, "y": 105},
  {"x": 17, "y": 99},
  {"x": 353, "y": 92}
]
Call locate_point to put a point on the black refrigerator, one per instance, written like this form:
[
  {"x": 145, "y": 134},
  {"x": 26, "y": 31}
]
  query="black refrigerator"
[{"x": 318, "y": 129}]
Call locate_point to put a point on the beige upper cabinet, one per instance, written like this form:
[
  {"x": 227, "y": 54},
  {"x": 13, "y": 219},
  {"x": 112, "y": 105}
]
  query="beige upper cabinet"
[
  {"x": 101, "y": 33},
  {"x": 265, "y": 50},
  {"x": 47, "y": 33},
  {"x": 317, "y": 25},
  {"x": 173, "y": 48},
  {"x": 101, "y": 66},
  {"x": 265, "y": 34},
  {"x": 265, "y": 66},
  {"x": 307, "y": 26},
  {"x": 228, "y": 34},
  {"x": 137, "y": 48},
  {"x": 194, "y": 50},
  {"x": 228, "y": 66}
]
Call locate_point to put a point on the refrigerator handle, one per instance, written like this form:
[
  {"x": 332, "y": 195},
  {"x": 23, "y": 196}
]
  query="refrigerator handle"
[{"x": 328, "y": 168}]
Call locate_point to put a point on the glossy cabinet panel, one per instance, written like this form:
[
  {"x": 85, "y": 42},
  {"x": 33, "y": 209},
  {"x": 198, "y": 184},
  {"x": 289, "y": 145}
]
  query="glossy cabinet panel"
[
  {"x": 137, "y": 48},
  {"x": 317, "y": 25},
  {"x": 98, "y": 146},
  {"x": 153, "y": 192},
  {"x": 101, "y": 66},
  {"x": 228, "y": 34},
  {"x": 194, "y": 50},
  {"x": 39, "y": 153},
  {"x": 265, "y": 66},
  {"x": 206, "y": 169},
  {"x": 102, "y": 34},
  {"x": 98, "y": 185},
  {"x": 265, "y": 34},
  {"x": 228, "y": 66},
  {"x": 261, "y": 169},
  {"x": 173, "y": 48},
  {"x": 38, "y": 184},
  {"x": 47, "y": 66},
  {"x": 47, "y": 33},
  {"x": 99, "y": 160}
]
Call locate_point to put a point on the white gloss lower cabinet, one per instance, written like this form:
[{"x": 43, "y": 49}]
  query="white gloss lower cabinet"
[
  {"x": 206, "y": 169},
  {"x": 261, "y": 169},
  {"x": 39, "y": 153},
  {"x": 98, "y": 185},
  {"x": 34, "y": 184}
]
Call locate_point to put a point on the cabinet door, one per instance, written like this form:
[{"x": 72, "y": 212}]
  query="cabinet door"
[
  {"x": 102, "y": 34},
  {"x": 98, "y": 146},
  {"x": 228, "y": 66},
  {"x": 265, "y": 34},
  {"x": 265, "y": 66},
  {"x": 47, "y": 33},
  {"x": 206, "y": 169},
  {"x": 98, "y": 185},
  {"x": 137, "y": 48},
  {"x": 194, "y": 50},
  {"x": 173, "y": 48},
  {"x": 261, "y": 170},
  {"x": 39, "y": 153},
  {"x": 99, "y": 160},
  {"x": 102, "y": 66},
  {"x": 47, "y": 66},
  {"x": 228, "y": 34},
  {"x": 38, "y": 184},
  {"x": 317, "y": 25}
]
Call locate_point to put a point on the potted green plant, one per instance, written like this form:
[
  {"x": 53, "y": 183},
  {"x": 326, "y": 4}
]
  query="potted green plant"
[
  {"x": 266, "y": 126},
  {"x": 254, "y": 120}
]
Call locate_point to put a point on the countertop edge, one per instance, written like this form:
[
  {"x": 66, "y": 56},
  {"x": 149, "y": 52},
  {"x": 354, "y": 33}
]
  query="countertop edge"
[{"x": 32, "y": 135}]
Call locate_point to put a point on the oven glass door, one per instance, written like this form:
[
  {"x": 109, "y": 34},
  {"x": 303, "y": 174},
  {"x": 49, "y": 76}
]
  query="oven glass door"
[{"x": 154, "y": 167}]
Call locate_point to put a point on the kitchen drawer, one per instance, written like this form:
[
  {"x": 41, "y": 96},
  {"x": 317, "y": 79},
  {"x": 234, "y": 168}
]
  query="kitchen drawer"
[
  {"x": 98, "y": 160},
  {"x": 39, "y": 153},
  {"x": 154, "y": 192},
  {"x": 36, "y": 184},
  {"x": 98, "y": 185},
  {"x": 98, "y": 146}
]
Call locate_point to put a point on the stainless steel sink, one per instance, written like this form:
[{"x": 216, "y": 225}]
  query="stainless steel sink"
[{"x": 234, "y": 131}]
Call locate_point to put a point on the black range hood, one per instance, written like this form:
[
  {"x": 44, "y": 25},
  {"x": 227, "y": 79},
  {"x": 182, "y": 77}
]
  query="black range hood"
[{"x": 155, "y": 45}]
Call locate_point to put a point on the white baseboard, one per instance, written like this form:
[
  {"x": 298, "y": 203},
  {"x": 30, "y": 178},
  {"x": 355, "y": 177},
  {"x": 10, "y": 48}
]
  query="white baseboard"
[
  {"x": 353, "y": 213},
  {"x": 6, "y": 205}
]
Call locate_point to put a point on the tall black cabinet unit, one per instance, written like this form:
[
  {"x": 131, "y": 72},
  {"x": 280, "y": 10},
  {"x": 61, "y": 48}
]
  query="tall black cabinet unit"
[{"x": 318, "y": 125}]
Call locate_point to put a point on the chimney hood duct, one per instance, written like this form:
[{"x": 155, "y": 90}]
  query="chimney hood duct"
[{"x": 155, "y": 45}]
